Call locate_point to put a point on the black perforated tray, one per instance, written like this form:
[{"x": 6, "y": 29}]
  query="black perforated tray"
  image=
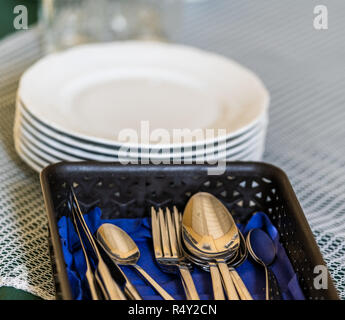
[{"x": 130, "y": 191}]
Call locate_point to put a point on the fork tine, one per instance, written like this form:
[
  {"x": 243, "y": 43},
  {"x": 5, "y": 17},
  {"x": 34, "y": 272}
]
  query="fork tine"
[
  {"x": 156, "y": 235},
  {"x": 172, "y": 234},
  {"x": 177, "y": 223},
  {"x": 164, "y": 234}
]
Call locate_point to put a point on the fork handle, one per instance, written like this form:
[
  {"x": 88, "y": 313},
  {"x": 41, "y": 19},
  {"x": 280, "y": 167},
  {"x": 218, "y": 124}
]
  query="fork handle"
[
  {"x": 153, "y": 283},
  {"x": 188, "y": 283}
]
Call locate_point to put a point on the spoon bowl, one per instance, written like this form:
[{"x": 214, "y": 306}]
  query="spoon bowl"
[
  {"x": 124, "y": 251},
  {"x": 208, "y": 228},
  {"x": 234, "y": 261},
  {"x": 210, "y": 233},
  {"x": 118, "y": 244},
  {"x": 262, "y": 249}
]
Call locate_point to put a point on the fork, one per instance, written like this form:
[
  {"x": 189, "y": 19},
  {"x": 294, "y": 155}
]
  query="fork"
[{"x": 166, "y": 234}]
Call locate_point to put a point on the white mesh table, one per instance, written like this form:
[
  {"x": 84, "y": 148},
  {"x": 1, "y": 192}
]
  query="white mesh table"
[{"x": 302, "y": 68}]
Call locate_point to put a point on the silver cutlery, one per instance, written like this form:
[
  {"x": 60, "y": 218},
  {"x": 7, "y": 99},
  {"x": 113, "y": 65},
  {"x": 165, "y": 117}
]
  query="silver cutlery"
[
  {"x": 235, "y": 261},
  {"x": 210, "y": 234},
  {"x": 211, "y": 267},
  {"x": 106, "y": 283},
  {"x": 122, "y": 280},
  {"x": 124, "y": 251},
  {"x": 166, "y": 234},
  {"x": 89, "y": 274},
  {"x": 263, "y": 251},
  {"x": 206, "y": 235}
]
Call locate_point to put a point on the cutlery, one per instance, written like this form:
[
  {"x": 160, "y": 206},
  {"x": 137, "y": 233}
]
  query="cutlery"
[
  {"x": 89, "y": 274},
  {"x": 263, "y": 251},
  {"x": 242, "y": 256},
  {"x": 211, "y": 267},
  {"x": 128, "y": 288},
  {"x": 211, "y": 234},
  {"x": 236, "y": 261},
  {"x": 166, "y": 234},
  {"x": 109, "y": 288},
  {"x": 124, "y": 251}
]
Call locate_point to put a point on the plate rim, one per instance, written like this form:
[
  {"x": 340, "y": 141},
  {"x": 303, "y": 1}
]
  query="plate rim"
[
  {"x": 51, "y": 134},
  {"x": 254, "y": 153},
  {"x": 210, "y": 55},
  {"x": 46, "y": 146}
]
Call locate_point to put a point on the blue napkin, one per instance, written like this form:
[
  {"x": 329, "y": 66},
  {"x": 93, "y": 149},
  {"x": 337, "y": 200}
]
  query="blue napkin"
[{"x": 252, "y": 274}]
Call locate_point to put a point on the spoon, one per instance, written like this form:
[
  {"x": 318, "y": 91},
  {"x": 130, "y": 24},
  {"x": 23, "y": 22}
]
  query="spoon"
[
  {"x": 124, "y": 251},
  {"x": 235, "y": 261},
  {"x": 210, "y": 233},
  {"x": 262, "y": 249}
]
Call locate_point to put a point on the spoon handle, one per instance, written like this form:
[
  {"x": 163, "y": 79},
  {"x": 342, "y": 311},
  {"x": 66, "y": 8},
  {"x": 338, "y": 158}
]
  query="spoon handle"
[
  {"x": 272, "y": 287},
  {"x": 218, "y": 292},
  {"x": 240, "y": 286},
  {"x": 188, "y": 283},
  {"x": 227, "y": 280},
  {"x": 153, "y": 283}
]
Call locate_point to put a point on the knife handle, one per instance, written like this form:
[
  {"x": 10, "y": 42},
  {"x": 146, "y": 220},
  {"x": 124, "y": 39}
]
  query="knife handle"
[
  {"x": 111, "y": 288},
  {"x": 131, "y": 292}
]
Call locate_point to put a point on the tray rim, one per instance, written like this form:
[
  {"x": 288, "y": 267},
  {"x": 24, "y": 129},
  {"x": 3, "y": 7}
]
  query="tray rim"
[{"x": 262, "y": 168}]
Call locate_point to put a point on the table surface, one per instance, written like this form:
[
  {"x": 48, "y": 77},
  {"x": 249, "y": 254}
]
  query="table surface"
[{"x": 303, "y": 69}]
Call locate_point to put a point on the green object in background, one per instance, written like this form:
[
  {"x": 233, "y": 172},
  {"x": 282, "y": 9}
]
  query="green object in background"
[
  {"x": 7, "y": 16},
  {"x": 6, "y": 27}
]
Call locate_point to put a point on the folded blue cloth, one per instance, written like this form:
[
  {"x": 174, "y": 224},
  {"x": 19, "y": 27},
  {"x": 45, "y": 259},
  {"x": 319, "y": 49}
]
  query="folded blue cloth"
[{"x": 252, "y": 273}]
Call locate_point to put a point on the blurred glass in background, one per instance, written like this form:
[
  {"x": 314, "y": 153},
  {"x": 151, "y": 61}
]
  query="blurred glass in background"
[{"x": 67, "y": 23}]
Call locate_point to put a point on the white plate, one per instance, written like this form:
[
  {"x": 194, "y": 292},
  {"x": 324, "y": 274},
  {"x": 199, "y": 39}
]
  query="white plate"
[
  {"x": 93, "y": 92},
  {"x": 32, "y": 161},
  {"x": 63, "y": 143},
  {"x": 38, "y": 164},
  {"x": 65, "y": 152},
  {"x": 38, "y": 159},
  {"x": 69, "y": 154}
]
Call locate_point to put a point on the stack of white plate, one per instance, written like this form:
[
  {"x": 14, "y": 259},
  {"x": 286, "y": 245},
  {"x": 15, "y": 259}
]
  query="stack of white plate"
[{"x": 139, "y": 102}]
